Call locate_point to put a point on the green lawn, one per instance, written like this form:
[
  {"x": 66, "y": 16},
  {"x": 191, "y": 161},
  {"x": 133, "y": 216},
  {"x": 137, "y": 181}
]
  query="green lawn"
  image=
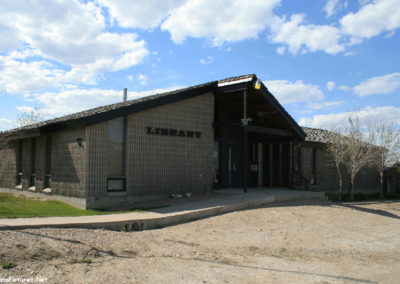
[{"x": 12, "y": 206}]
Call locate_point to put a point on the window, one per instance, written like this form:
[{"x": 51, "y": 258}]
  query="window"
[
  {"x": 299, "y": 159},
  {"x": 19, "y": 163},
  {"x": 314, "y": 166},
  {"x": 116, "y": 154},
  {"x": 47, "y": 177},
  {"x": 32, "y": 179},
  {"x": 216, "y": 161},
  {"x": 314, "y": 161}
]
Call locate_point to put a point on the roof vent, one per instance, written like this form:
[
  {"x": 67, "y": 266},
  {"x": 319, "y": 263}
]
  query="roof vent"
[{"x": 125, "y": 94}]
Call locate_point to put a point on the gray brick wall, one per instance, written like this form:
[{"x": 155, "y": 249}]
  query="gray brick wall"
[
  {"x": 156, "y": 164},
  {"x": 8, "y": 168},
  {"x": 367, "y": 180},
  {"x": 40, "y": 161},
  {"x": 68, "y": 163},
  {"x": 96, "y": 176},
  {"x": 26, "y": 163}
]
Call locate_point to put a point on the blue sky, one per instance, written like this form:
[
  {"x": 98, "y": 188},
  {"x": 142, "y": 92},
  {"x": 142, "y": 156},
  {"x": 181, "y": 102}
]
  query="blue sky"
[{"x": 320, "y": 58}]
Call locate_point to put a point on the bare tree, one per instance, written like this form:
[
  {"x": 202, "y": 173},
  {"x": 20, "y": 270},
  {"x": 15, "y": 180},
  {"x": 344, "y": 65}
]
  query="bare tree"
[
  {"x": 358, "y": 148},
  {"x": 336, "y": 148},
  {"x": 387, "y": 150},
  {"x": 33, "y": 116}
]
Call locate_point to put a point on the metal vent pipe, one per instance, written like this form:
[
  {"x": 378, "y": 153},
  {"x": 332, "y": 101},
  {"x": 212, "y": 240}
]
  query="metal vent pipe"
[{"x": 125, "y": 94}]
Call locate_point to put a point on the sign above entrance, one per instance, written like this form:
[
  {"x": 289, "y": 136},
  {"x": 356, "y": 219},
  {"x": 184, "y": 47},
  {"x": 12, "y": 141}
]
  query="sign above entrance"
[{"x": 172, "y": 132}]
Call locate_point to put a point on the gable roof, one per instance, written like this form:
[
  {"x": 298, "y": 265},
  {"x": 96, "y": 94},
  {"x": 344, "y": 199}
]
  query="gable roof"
[{"x": 107, "y": 112}]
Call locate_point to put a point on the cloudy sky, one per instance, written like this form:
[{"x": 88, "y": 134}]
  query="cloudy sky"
[{"x": 320, "y": 58}]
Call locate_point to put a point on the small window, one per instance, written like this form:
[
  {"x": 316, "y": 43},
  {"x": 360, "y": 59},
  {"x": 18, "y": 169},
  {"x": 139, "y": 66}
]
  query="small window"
[
  {"x": 32, "y": 180},
  {"x": 47, "y": 177},
  {"x": 314, "y": 166},
  {"x": 116, "y": 155},
  {"x": 19, "y": 164},
  {"x": 314, "y": 161},
  {"x": 216, "y": 161},
  {"x": 299, "y": 159},
  {"x": 116, "y": 184}
]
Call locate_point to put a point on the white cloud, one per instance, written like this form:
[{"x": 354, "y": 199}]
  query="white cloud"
[
  {"x": 378, "y": 85},
  {"x": 331, "y": 7},
  {"x": 220, "y": 21},
  {"x": 344, "y": 88},
  {"x": 140, "y": 14},
  {"x": 69, "y": 101},
  {"x": 281, "y": 50},
  {"x": 384, "y": 84},
  {"x": 70, "y": 33},
  {"x": 327, "y": 121},
  {"x": 207, "y": 60},
  {"x": 6, "y": 124},
  {"x": 293, "y": 92},
  {"x": 301, "y": 37},
  {"x": 142, "y": 78},
  {"x": 324, "y": 105},
  {"x": 372, "y": 19},
  {"x": 330, "y": 85},
  {"x": 364, "y": 2},
  {"x": 22, "y": 77}
]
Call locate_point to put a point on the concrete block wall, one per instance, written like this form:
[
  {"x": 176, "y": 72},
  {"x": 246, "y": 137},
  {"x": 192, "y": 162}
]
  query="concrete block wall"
[
  {"x": 96, "y": 175},
  {"x": 68, "y": 163},
  {"x": 155, "y": 164},
  {"x": 26, "y": 163},
  {"x": 160, "y": 164},
  {"x": 367, "y": 180},
  {"x": 40, "y": 162},
  {"x": 8, "y": 165}
]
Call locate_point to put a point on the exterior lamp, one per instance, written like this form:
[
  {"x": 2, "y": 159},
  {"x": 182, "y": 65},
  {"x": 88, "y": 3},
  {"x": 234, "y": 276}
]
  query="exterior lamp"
[
  {"x": 257, "y": 84},
  {"x": 79, "y": 141}
]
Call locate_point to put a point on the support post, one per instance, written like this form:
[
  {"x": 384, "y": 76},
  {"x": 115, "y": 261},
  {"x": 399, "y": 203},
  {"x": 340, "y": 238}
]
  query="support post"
[
  {"x": 280, "y": 162},
  {"x": 245, "y": 158},
  {"x": 270, "y": 164},
  {"x": 260, "y": 165},
  {"x": 245, "y": 146},
  {"x": 290, "y": 164}
]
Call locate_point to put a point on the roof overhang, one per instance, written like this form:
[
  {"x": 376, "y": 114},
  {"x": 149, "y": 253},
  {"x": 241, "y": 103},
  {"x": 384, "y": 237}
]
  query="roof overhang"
[{"x": 267, "y": 114}]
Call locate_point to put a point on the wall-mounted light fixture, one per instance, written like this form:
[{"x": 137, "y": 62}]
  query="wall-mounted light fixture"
[
  {"x": 257, "y": 84},
  {"x": 79, "y": 141}
]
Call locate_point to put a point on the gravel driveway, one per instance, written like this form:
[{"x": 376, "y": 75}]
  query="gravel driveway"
[{"x": 303, "y": 242}]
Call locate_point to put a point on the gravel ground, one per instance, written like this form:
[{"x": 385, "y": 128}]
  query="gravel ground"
[{"x": 303, "y": 242}]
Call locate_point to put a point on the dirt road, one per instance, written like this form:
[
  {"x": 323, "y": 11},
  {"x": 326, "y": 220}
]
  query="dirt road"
[{"x": 283, "y": 243}]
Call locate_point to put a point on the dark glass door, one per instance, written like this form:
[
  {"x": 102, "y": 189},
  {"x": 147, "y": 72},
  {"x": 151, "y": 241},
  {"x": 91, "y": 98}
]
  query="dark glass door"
[{"x": 235, "y": 157}]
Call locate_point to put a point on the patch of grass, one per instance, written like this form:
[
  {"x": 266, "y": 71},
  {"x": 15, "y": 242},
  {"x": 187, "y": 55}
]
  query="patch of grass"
[
  {"x": 23, "y": 207},
  {"x": 8, "y": 265},
  {"x": 362, "y": 197}
]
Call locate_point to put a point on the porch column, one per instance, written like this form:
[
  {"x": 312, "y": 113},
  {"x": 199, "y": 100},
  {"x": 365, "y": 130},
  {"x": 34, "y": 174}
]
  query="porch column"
[
  {"x": 270, "y": 164},
  {"x": 260, "y": 164},
  {"x": 280, "y": 164},
  {"x": 245, "y": 122},
  {"x": 290, "y": 165}
]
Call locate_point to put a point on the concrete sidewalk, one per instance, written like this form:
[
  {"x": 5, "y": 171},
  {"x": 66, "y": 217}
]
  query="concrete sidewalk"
[{"x": 234, "y": 200}]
